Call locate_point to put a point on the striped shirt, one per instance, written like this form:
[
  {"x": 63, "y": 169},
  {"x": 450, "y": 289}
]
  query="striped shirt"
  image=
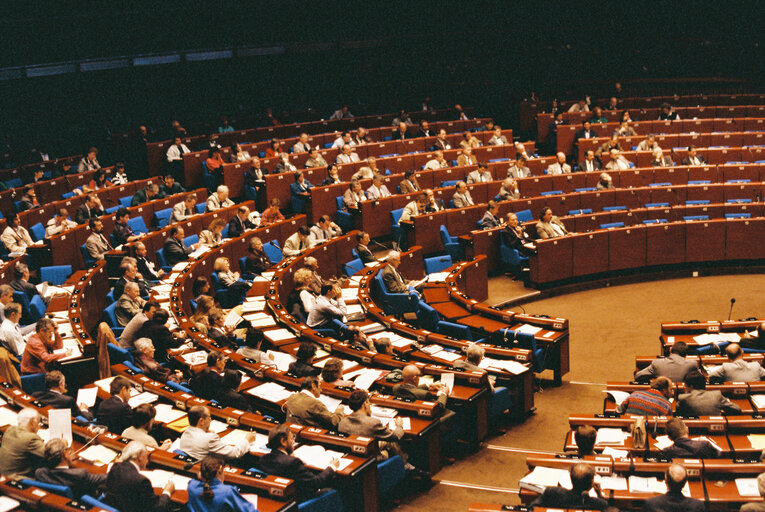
[{"x": 650, "y": 402}]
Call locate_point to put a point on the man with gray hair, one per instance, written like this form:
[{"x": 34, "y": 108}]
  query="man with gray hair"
[
  {"x": 145, "y": 195},
  {"x": 218, "y": 199},
  {"x": 22, "y": 449},
  {"x": 473, "y": 357},
  {"x": 393, "y": 279},
  {"x": 128, "y": 490},
  {"x": 58, "y": 470},
  {"x": 675, "y": 478},
  {"x": 129, "y": 304}
]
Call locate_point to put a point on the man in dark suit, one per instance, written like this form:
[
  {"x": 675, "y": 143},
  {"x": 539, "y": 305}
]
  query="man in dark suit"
[
  {"x": 55, "y": 395},
  {"x": 240, "y": 222},
  {"x": 582, "y": 477},
  {"x": 684, "y": 447},
  {"x": 169, "y": 187},
  {"x": 129, "y": 270},
  {"x": 58, "y": 470},
  {"x": 90, "y": 208},
  {"x": 693, "y": 157},
  {"x": 675, "y": 367},
  {"x": 585, "y": 133},
  {"x": 21, "y": 282},
  {"x": 490, "y": 218},
  {"x": 394, "y": 281},
  {"x": 128, "y": 490},
  {"x": 144, "y": 195},
  {"x": 590, "y": 163},
  {"x": 207, "y": 383},
  {"x": 674, "y": 501},
  {"x": 701, "y": 402},
  {"x": 400, "y": 133},
  {"x": 114, "y": 412},
  {"x": 425, "y": 130},
  {"x": 281, "y": 462},
  {"x": 362, "y": 248},
  {"x": 146, "y": 268},
  {"x": 175, "y": 249}
]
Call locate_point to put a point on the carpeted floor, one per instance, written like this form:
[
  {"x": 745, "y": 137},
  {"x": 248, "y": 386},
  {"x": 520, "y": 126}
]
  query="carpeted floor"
[{"x": 609, "y": 327}]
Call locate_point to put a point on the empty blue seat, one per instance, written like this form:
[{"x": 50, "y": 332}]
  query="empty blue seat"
[
  {"x": 163, "y": 217},
  {"x": 451, "y": 243},
  {"x": 437, "y": 263},
  {"x": 200, "y": 207},
  {"x": 125, "y": 201},
  {"x": 353, "y": 266},
  {"x": 343, "y": 218},
  {"x": 390, "y": 473},
  {"x": 551, "y": 193},
  {"x": 110, "y": 317},
  {"x": 273, "y": 251},
  {"x": 191, "y": 240},
  {"x": 586, "y": 189},
  {"x": 696, "y": 217},
  {"x": 663, "y": 184},
  {"x": 112, "y": 209},
  {"x": 581, "y": 211},
  {"x": 613, "y": 208},
  {"x": 738, "y": 181},
  {"x": 328, "y": 501},
  {"x": 449, "y": 183},
  {"x": 161, "y": 260},
  {"x": 14, "y": 183},
  {"x": 525, "y": 215},
  {"x": 67, "y": 195},
  {"x": 93, "y": 502},
  {"x": 118, "y": 354},
  {"x": 427, "y": 316},
  {"x": 699, "y": 182},
  {"x": 611, "y": 225},
  {"x": 37, "y": 308},
  {"x": 37, "y": 232},
  {"x": 179, "y": 387},
  {"x": 738, "y": 201},
  {"x": 456, "y": 331},
  {"x": 110, "y": 297},
  {"x": 738, "y": 215},
  {"x": 697, "y": 202},
  {"x": 56, "y": 275},
  {"x": 61, "y": 490},
  {"x": 33, "y": 382},
  {"x": 657, "y": 205},
  {"x": 655, "y": 221}
]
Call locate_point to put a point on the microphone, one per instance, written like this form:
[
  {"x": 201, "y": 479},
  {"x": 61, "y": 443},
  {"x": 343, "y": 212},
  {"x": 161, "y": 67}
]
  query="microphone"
[
  {"x": 732, "y": 301},
  {"x": 522, "y": 308}
]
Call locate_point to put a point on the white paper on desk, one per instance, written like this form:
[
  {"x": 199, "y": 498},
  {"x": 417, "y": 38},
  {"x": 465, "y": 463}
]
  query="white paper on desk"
[
  {"x": 7, "y": 417},
  {"x": 507, "y": 365},
  {"x": 232, "y": 319},
  {"x": 275, "y": 335},
  {"x": 60, "y": 424},
  {"x": 7, "y": 504},
  {"x": 448, "y": 379},
  {"x": 142, "y": 398},
  {"x": 59, "y": 315},
  {"x": 663, "y": 442},
  {"x": 217, "y": 426},
  {"x": 3, "y": 402},
  {"x": 541, "y": 477},
  {"x": 159, "y": 477},
  {"x": 255, "y": 306},
  {"x": 260, "y": 279},
  {"x": 282, "y": 360},
  {"x": 180, "y": 266},
  {"x": 195, "y": 358},
  {"x": 167, "y": 414},
  {"x": 331, "y": 402},
  {"x": 199, "y": 252},
  {"x": 617, "y": 483},
  {"x": 528, "y": 329},
  {"x": 267, "y": 275},
  {"x": 758, "y": 401},
  {"x": 401, "y": 343},
  {"x": 747, "y": 487},
  {"x": 252, "y": 498},
  {"x": 104, "y": 383},
  {"x": 270, "y": 391},
  {"x": 383, "y": 412},
  {"x": 432, "y": 349},
  {"x": 372, "y": 328},
  {"x": 98, "y": 455},
  {"x": 612, "y": 436},
  {"x": 316, "y": 456},
  {"x": 260, "y": 320},
  {"x": 350, "y": 294},
  {"x": 616, "y": 454},
  {"x": 618, "y": 396},
  {"x": 367, "y": 378},
  {"x": 87, "y": 396},
  {"x": 354, "y": 312},
  {"x": 235, "y": 437},
  {"x": 447, "y": 355},
  {"x": 438, "y": 277},
  {"x": 162, "y": 289},
  {"x": 406, "y": 423}
]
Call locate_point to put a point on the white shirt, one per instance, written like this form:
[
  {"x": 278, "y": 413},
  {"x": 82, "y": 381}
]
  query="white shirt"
[
  {"x": 339, "y": 143},
  {"x": 173, "y": 154},
  {"x": 10, "y": 334},
  {"x": 324, "y": 309}
]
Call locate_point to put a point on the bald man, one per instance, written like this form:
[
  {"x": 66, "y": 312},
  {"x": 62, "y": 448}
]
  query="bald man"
[
  {"x": 736, "y": 369},
  {"x": 582, "y": 480},
  {"x": 674, "y": 501}
]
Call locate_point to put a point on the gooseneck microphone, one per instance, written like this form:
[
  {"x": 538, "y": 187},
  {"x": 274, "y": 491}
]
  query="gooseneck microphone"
[{"x": 732, "y": 301}]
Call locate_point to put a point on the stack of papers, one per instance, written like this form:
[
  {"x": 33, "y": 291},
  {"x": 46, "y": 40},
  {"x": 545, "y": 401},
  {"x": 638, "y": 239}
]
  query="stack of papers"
[
  {"x": 276, "y": 335},
  {"x": 350, "y": 294},
  {"x": 195, "y": 358},
  {"x": 372, "y": 328},
  {"x": 232, "y": 319},
  {"x": 507, "y": 365},
  {"x": 104, "y": 383},
  {"x": 354, "y": 312},
  {"x": 612, "y": 436},
  {"x": 7, "y": 417},
  {"x": 383, "y": 412},
  {"x": 757, "y": 441},
  {"x": 707, "y": 338},
  {"x": 366, "y": 378},
  {"x": 542, "y": 477},
  {"x": 316, "y": 456},
  {"x": 98, "y": 455},
  {"x": 528, "y": 329},
  {"x": 159, "y": 477},
  {"x": 253, "y": 305},
  {"x": 87, "y": 396},
  {"x": 199, "y": 252},
  {"x": 281, "y": 359},
  {"x": 142, "y": 398},
  {"x": 166, "y": 413},
  {"x": 663, "y": 442},
  {"x": 641, "y": 484},
  {"x": 331, "y": 403},
  {"x": 616, "y": 454},
  {"x": 252, "y": 498},
  {"x": 260, "y": 319},
  {"x": 270, "y": 391},
  {"x": 758, "y": 401},
  {"x": 438, "y": 277},
  {"x": 618, "y": 396},
  {"x": 617, "y": 483}
]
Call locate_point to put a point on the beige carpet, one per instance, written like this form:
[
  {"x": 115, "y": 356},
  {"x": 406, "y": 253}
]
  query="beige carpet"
[{"x": 609, "y": 327}]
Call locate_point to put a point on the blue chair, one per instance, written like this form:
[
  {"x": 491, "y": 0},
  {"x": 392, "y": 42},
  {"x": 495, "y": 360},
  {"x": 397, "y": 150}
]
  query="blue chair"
[
  {"x": 614, "y": 208},
  {"x": 437, "y": 263},
  {"x": 93, "y": 502},
  {"x": 243, "y": 265},
  {"x": 37, "y": 308},
  {"x": 21, "y": 298},
  {"x": 138, "y": 225},
  {"x": 449, "y": 183},
  {"x": 655, "y": 221},
  {"x": 696, "y": 217},
  {"x": 551, "y": 193},
  {"x": 343, "y": 218},
  {"x": 125, "y": 201},
  {"x": 161, "y": 260},
  {"x": 394, "y": 303},
  {"x": 581, "y": 211},
  {"x": 14, "y": 183},
  {"x": 738, "y": 181},
  {"x": 611, "y": 225},
  {"x": 131, "y": 366},
  {"x": 110, "y": 297},
  {"x": 511, "y": 257},
  {"x": 200, "y": 207},
  {"x": 19, "y": 206},
  {"x": 222, "y": 294},
  {"x": 500, "y": 402},
  {"x": 89, "y": 260},
  {"x": 738, "y": 201},
  {"x": 525, "y": 215},
  {"x": 273, "y": 251},
  {"x": 398, "y": 232},
  {"x": 328, "y": 501},
  {"x": 110, "y": 317},
  {"x": 56, "y": 275},
  {"x": 163, "y": 217},
  {"x": 512, "y": 339},
  {"x": 390, "y": 473},
  {"x": 657, "y": 205},
  {"x": 353, "y": 266},
  {"x": 112, "y": 209},
  {"x": 191, "y": 239},
  {"x": 586, "y": 189},
  {"x": 297, "y": 204},
  {"x": 697, "y": 202},
  {"x": 663, "y": 184},
  {"x": 32, "y": 383},
  {"x": 738, "y": 215},
  {"x": 250, "y": 193},
  {"x": 67, "y": 195},
  {"x": 179, "y": 387},
  {"x": 224, "y": 233},
  {"x": 699, "y": 182},
  {"x": 118, "y": 355},
  {"x": 37, "y": 232},
  {"x": 61, "y": 490},
  {"x": 456, "y": 331},
  {"x": 427, "y": 316},
  {"x": 451, "y": 244}
]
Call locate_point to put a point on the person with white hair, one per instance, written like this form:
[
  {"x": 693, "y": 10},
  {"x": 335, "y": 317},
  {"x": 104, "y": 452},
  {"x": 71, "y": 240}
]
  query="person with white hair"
[
  {"x": 560, "y": 166},
  {"x": 473, "y": 357},
  {"x": 218, "y": 199},
  {"x": 128, "y": 490},
  {"x": 605, "y": 181},
  {"x": 618, "y": 162},
  {"x": 22, "y": 449},
  {"x": 660, "y": 160},
  {"x": 58, "y": 470}
]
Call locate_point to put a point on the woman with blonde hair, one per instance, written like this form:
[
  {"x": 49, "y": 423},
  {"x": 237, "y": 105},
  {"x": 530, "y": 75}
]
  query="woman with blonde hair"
[
  {"x": 205, "y": 304},
  {"x": 213, "y": 235}
]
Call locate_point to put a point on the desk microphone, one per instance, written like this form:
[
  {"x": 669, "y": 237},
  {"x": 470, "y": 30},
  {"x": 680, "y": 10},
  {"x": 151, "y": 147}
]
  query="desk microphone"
[
  {"x": 732, "y": 301},
  {"x": 522, "y": 308}
]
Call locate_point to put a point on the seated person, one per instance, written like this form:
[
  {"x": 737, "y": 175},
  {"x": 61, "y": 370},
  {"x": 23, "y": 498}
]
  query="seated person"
[
  {"x": 43, "y": 348},
  {"x": 144, "y": 195},
  {"x": 257, "y": 261},
  {"x": 114, "y": 412},
  {"x": 648, "y": 144},
  {"x": 214, "y": 161},
  {"x": 490, "y": 218},
  {"x": 255, "y": 176},
  {"x": 170, "y": 187},
  {"x": 219, "y": 332},
  {"x": 284, "y": 164},
  {"x": 366, "y": 172},
  {"x": 674, "y": 500},
  {"x": 585, "y": 437},
  {"x": 437, "y": 162},
  {"x": 394, "y": 281},
  {"x": 473, "y": 357},
  {"x": 280, "y": 462},
  {"x": 142, "y": 424},
  {"x": 701, "y": 402},
  {"x": 201, "y": 286},
  {"x": 297, "y": 242},
  {"x": 467, "y": 158},
  {"x": 509, "y": 190},
  {"x": 144, "y": 359},
  {"x": 272, "y": 214},
  {"x": 301, "y": 299},
  {"x": 201, "y": 316},
  {"x": 409, "y": 184},
  {"x": 305, "y": 408},
  {"x": 122, "y": 233},
  {"x": 400, "y": 133},
  {"x": 480, "y": 175},
  {"x": 590, "y": 163},
  {"x": 11, "y": 337},
  {"x": 362, "y": 248},
  {"x": 128, "y": 336},
  {"x": 129, "y": 304},
  {"x": 582, "y": 478},
  {"x": 213, "y": 235},
  {"x": 352, "y": 197},
  {"x": 315, "y": 159},
  {"x": 332, "y": 373},
  {"x": 518, "y": 169},
  {"x": 22, "y": 449},
  {"x": 757, "y": 341},
  {"x": 127, "y": 490},
  {"x": 175, "y": 248},
  {"x": 333, "y": 178},
  {"x": 145, "y": 267},
  {"x": 515, "y": 237},
  {"x": 208, "y": 493},
  {"x": 347, "y": 155},
  {"x": 218, "y": 199},
  {"x": 683, "y": 447},
  {"x": 185, "y": 209},
  {"x": 675, "y": 367},
  {"x": 606, "y": 147},
  {"x": 89, "y": 209},
  {"x": 693, "y": 157},
  {"x": 301, "y": 187},
  {"x": 604, "y": 182},
  {"x": 255, "y": 347},
  {"x": 651, "y": 402},
  {"x": 229, "y": 396},
  {"x": 737, "y": 369},
  {"x": 377, "y": 190},
  {"x": 58, "y": 459},
  {"x": 15, "y": 237},
  {"x": 207, "y": 382},
  {"x": 303, "y": 367},
  {"x": 157, "y": 331},
  {"x": 129, "y": 274},
  {"x": 415, "y": 208},
  {"x": 469, "y": 140},
  {"x": 59, "y": 223},
  {"x": 497, "y": 139},
  {"x": 549, "y": 225},
  {"x": 29, "y": 199},
  {"x": 617, "y": 162},
  {"x": 560, "y": 166},
  {"x": 198, "y": 442},
  {"x": 462, "y": 197},
  {"x": 659, "y": 160},
  {"x": 432, "y": 204},
  {"x": 240, "y": 222},
  {"x": 323, "y": 230}
]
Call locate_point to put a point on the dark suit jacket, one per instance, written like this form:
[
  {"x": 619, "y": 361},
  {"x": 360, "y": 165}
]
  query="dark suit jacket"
[
  {"x": 231, "y": 398},
  {"x": 687, "y": 160},
  {"x": 511, "y": 239},
  {"x": 302, "y": 369},
  {"x": 175, "y": 251},
  {"x": 161, "y": 337},
  {"x": 559, "y": 497},
  {"x": 280, "y": 464},
  {"x": 392, "y": 281},
  {"x": 78, "y": 479},
  {"x": 236, "y": 227},
  {"x": 82, "y": 215},
  {"x": 580, "y": 135},
  {"x": 115, "y": 414},
  {"x": 59, "y": 401},
  {"x": 119, "y": 288},
  {"x": 129, "y": 491},
  {"x": 257, "y": 263},
  {"x": 223, "y": 339},
  {"x": 673, "y": 503},
  {"x": 365, "y": 254},
  {"x": 140, "y": 197},
  {"x": 686, "y": 448},
  {"x": 143, "y": 269},
  {"x": 206, "y": 384},
  {"x": 120, "y": 234},
  {"x": 440, "y": 145},
  {"x": 24, "y": 286},
  {"x": 397, "y": 135},
  {"x": 165, "y": 191},
  {"x": 595, "y": 165}
]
